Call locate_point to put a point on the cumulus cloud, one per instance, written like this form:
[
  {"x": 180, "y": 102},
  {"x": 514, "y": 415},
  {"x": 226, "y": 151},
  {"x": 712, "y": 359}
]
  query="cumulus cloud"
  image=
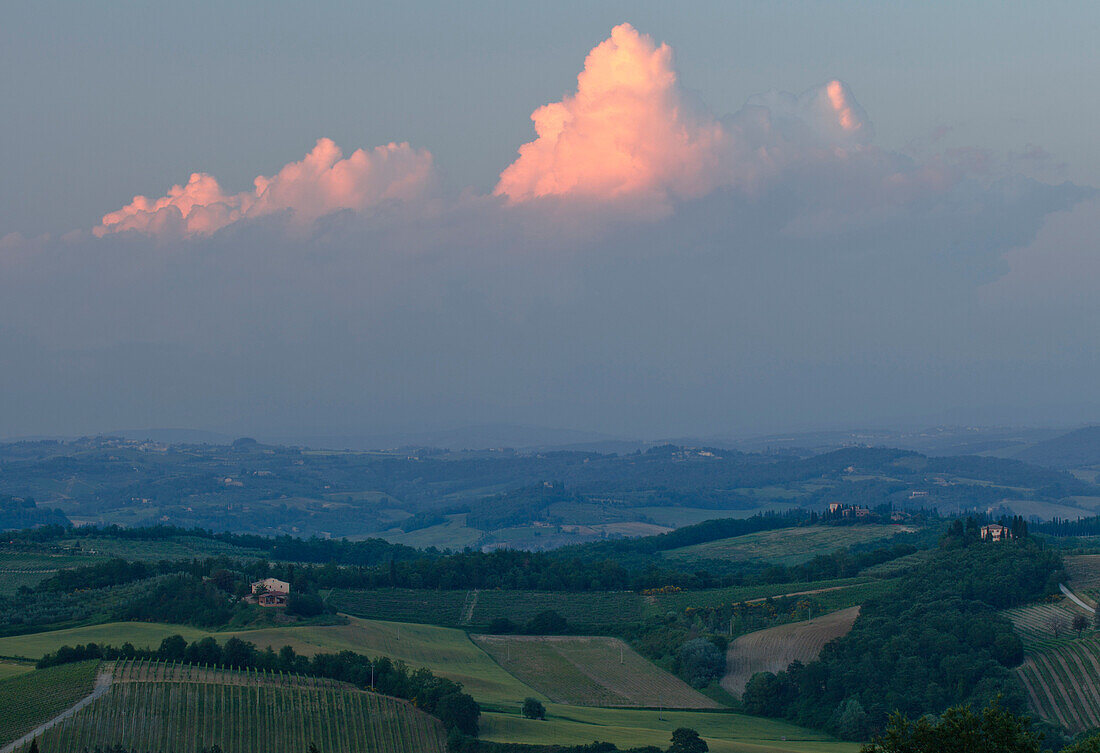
[
  {"x": 632, "y": 130},
  {"x": 324, "y": 181},
  {"x": 628, "y": 129}
]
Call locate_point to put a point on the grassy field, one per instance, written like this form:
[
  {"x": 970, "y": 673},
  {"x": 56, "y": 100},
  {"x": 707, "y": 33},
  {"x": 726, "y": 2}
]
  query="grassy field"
[
  {"x": 445, "y": 651},
  {"x": 589, "y": 610},
  {"x": 268, "y": 713},
  {"x": 36, "y": 697},
  {"x": 141, "y": 634},
  {"x": 785, "y": 546},
  {"x": 14, "y": 669},
  {"x": 724, "y": 732},
  {"x": 590, "y": 671},
  {"x": 772, "y": 650}
]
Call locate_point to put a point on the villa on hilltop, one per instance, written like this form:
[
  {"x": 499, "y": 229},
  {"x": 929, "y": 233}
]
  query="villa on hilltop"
[{"x": 271, "y": 592}]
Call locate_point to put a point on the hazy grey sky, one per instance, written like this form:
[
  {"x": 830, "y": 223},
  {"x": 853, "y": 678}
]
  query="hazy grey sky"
[{"x": 911, "y": 235}]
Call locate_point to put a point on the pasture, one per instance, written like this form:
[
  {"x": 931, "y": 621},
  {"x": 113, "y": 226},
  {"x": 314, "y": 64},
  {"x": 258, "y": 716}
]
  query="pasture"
[
  {"x": 772, "y": 650},
  {"x": 725, "y": 732},
  {"x": 148, "y": 710},
  {"x": 590, "y": 671},
  {"x": 785, "y": 546},
  {"x": 36, "y": 697}
]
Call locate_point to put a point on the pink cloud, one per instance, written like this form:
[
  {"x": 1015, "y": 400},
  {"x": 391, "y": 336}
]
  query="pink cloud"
[
  {"x": 627, "y": 130},
  {"x": 320, "y": 183}
]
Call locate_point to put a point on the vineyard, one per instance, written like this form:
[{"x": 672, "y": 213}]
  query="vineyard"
[
  {"x": 36, "y": 697},
  {"x": 1043, "y": 625},
  {"x": 588, "y": 671},
  {"x": 1063, "y": 682},
  {"x": 1084, "y": 576},
  {"x": 772, "y": 650},
  {"x": 176, "y": 707},
  {"x": 1061, "y": 671}
]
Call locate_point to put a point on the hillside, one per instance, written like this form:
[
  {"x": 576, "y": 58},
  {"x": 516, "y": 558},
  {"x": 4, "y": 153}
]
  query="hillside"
[
  {"x": 772, "y": 650},
  {"x": 1073, "y": 450},
  {"x": 158, "y": 707},
  {"x": 590, "y": 671},
  {"x": 786, "y": 546}
]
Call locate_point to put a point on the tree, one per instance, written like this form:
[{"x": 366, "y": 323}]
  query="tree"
[
  {"x": 460, "y": 711},
  {"x": 173, "y": 648},
  {"x": 547, "y": 623},
  {"x": 1057, "y": 625},
  {"x": 1080, "y": 622},
  {"x": 1088, "y": 745},
  {"x": 687, "y": 740},
  {"x": 313, "y": 749},
  {"x": 34, "y": 746},
  {"x": 958, "y": 730},
  {"x": 533, "y": 708},
  {"x": 850, "y": 720},
  {"x": 700, "y": 662}
]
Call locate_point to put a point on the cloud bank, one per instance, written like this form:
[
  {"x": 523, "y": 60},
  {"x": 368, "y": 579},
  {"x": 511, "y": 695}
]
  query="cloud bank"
[
  {"x": 644, "y": 266},
  {"x": 322, "y": 182}
]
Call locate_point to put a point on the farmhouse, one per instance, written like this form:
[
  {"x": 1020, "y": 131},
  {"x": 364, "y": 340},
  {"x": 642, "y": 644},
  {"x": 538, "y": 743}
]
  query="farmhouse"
[
  {"x": 271, "y": 592},
  {"x": 996, "y": 532}
]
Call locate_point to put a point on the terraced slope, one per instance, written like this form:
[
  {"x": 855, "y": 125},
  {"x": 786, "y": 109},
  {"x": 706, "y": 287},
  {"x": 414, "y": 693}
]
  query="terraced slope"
[
  {"x": 773, "y": 650},
  {"x": 591, "y": 671},
  {"x": 158, "y": 707},
  {"x": 1061, "y": 671}
]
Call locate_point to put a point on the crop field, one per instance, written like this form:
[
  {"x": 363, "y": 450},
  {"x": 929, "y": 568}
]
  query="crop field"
[
  {"x": 170, "y": 708},
  {"x": 36, "y": 697},
  {"x": 772, "y": 650},
  {"x": 445, "y": 651},
  {"x": 404, "y": 605},
  {"x": 590, "y": 671},
  {"x": 786, "y": 546},
  {"x": 597, "y": 609},
  {"x": 725, "y": 732},
  {"x": 715, "y": 597}
]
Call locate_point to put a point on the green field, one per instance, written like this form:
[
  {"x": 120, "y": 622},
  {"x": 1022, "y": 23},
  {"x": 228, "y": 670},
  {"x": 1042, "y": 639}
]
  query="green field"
[
  {"x": 36, "y": 697},
  {"x": 14, "y": 668},
  {"x": 141, "y": 634},
  {"x": 724, "y": 732},
  {"x": 785, "y": 546},
  {"x": 269, "y": 713},
  {"x": 590, "y": 671},
  {"x": 445, "y": 651},
  {"x": 593, "y": 611},
  {"x": 454, "y": 534}
]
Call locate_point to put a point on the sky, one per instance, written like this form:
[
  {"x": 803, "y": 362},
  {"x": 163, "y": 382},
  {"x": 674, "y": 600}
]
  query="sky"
[{"x": 641, "y": 219}]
